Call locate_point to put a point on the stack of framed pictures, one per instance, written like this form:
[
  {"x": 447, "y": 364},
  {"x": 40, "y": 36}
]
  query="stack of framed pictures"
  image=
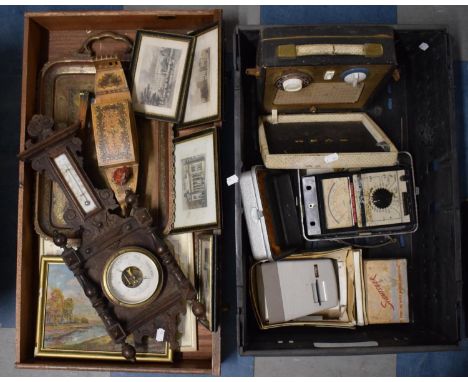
[{"x": 176, "y": 78}]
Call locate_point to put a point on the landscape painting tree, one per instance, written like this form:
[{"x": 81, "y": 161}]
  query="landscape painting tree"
[
  {"x": 68, "y": 310},
  {"x": 59, "y": 310},
  {"x": 54, "y": 307}
]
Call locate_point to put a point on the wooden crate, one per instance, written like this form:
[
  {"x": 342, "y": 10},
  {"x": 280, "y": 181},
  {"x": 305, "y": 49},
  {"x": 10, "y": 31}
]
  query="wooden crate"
[{"x": 54, "y": 36}]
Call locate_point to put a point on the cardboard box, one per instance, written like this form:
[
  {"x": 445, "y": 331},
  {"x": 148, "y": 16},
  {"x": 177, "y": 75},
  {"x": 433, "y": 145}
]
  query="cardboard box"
[
  {"x": 386, "y": 284},
  {"x": 49, "y": 37}
]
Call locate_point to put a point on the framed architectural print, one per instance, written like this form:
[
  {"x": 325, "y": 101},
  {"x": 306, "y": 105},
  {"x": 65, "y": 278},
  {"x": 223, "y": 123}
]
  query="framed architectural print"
[
  {"x": 69, "y": 327},
  {"x": 204, "y": 91},
  {"x": 196, "y": 182},
  {"x": 182, "y": 248},
  {"x": 161, "y": 65},
  {"x": 206, "y": 277}
]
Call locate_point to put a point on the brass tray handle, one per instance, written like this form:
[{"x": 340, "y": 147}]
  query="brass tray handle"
[{"x": 87, "y": 49}]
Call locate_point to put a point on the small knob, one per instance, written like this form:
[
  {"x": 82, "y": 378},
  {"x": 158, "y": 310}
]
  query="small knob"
[
  {"x": 382, "y": 198},
  {"x": 60, "y": 240},
  {"x": 198, "y": 309},
  {"x": 131, "y": 198},
  {"x": 129, "y": 352}
]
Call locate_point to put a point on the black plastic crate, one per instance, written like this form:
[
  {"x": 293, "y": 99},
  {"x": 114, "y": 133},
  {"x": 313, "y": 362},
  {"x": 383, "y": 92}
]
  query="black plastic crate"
[{"x": 418, "y": 114}]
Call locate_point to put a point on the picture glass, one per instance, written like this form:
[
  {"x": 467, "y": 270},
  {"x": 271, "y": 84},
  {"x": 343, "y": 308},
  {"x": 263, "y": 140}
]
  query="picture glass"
[
  {"x": 195, "y": 182},
  {"x": 159, "y": 74},
  {"x": 203, "y": 93}
]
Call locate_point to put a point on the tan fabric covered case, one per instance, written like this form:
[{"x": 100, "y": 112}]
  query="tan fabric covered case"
[{"x": 384, "y": 152}]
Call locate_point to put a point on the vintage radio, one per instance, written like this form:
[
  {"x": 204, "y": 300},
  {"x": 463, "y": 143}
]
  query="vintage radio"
[
  {"x": 322, "y": 67},
  {"x": 313, "y": 84}
]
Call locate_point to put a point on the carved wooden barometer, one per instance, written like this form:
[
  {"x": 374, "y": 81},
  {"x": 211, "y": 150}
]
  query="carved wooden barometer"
[{"x": 122, "y": 264}]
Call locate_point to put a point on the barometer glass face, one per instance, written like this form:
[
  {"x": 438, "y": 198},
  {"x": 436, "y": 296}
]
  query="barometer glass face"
[
  {"x": 132, "y": 277},
  {"x": 75, "y": 183},
  {"x": 337, "y": 201}
]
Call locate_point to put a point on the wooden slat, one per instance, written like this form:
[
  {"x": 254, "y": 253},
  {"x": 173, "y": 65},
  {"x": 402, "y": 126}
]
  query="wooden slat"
[
  {"x": 182, "y": 366},
  {"x": 111, "y": 20},
  {"x": 216, "y": 353},
  {"x": 26, "y": 278}
]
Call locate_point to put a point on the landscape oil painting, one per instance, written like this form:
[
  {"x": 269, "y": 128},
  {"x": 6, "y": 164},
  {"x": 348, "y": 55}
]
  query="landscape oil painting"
[{"x": 69, "y": 326}]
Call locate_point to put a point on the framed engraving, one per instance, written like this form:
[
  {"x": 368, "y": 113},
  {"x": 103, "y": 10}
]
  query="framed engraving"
[
  {"x": 69, "y": 327},
  {"x": 196, "y": 182},
  {"x": 182, "y": 248},
  {"x": 206, "y": 277},
  {"x": 161, "y": 64},
  {"x": 204, "y": 91}
]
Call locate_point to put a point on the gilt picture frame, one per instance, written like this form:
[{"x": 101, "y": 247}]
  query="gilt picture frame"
[
  {"x": 196, "y": 184},
  {"x": 69, "y": 327},
  {"x": 204, "y": 94},
  {"x": 161, "y": 65}
]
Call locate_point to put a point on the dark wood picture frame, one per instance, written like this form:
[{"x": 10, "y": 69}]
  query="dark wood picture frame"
[
  {"x": 219, "y": 89},
  {"x": 205, "y": 226},
  {"x": 180, "y": 100}
]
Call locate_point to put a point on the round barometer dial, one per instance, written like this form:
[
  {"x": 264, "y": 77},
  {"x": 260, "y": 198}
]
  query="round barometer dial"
[{"x": 132, "y": 277}]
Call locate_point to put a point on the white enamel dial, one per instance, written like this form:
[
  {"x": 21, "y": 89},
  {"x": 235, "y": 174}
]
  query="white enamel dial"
[
  {"x": 132, "y": 277},
  {"x": 75, "y": 183}
]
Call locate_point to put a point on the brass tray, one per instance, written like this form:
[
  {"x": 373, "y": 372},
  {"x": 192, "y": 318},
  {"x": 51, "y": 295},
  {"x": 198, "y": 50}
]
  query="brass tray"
[
  {"x": 61, "y": 83},
  {"x": 60, "y": 87}
]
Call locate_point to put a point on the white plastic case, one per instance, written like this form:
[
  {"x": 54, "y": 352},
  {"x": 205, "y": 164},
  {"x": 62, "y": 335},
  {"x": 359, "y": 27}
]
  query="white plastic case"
[{"x": 253, "y": 212}]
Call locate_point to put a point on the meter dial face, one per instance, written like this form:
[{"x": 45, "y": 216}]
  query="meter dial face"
[
  {"x": 337, "y": 201},
  {"x": 132, "y": 277},
  {"x": 75, "y": 183},
  {"x": 383, "y": 197}
]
